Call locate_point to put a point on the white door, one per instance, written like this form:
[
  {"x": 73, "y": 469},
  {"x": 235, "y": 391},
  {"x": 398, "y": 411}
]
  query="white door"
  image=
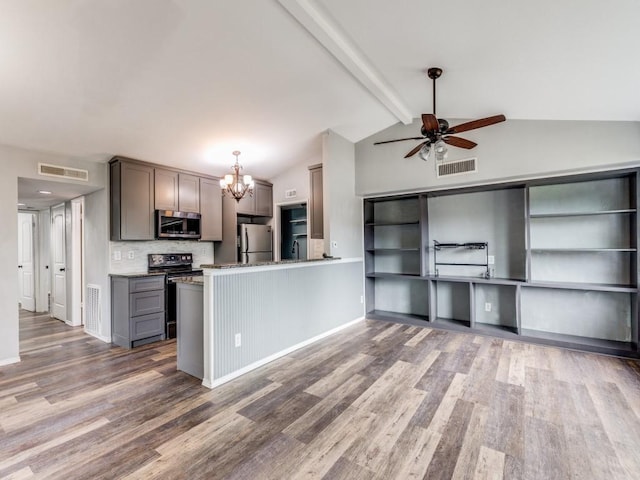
[
  {"x": 26, "y": 277},
  {"x": 59, "y": 291}
]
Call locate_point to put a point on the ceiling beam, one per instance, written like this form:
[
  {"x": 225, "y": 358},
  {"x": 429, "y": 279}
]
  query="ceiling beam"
[{"x": 330, "y": 36}]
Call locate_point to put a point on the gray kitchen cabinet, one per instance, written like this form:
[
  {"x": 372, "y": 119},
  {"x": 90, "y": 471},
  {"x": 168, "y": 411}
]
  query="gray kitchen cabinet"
[
  {"x": 263, "y": 192},
  {"x": 176, "y": 191},
  {"x": 132, "y": 204},
  {"x": 190, "y": 338},
  {"x": 166, "y": 189},
  {"x": 260, "y": 204},
  {"x": 137, "y": 310},
  {"x": 188, "y": 193},
  {"x": 210, "y": 209},
  {"x": 316, "y": 209}
]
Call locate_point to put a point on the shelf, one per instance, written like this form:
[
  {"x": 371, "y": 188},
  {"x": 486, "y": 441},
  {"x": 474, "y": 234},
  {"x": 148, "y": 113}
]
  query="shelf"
[
  {"x": 582, "y": 214},
  {"x": 599, "y": 287},
  {"x": 461, "y": 279},
  {"x": 499, "y": 330},
  {"x": 391, "y": 250},
  {"x": 411, "y": 276},
  {"x": 599, "y": 345},
  {"x": 452, "y": 324},
  {"x": 298, "y": 220},
  {"x": 298, "y": 234},
  {"x": 585, "y": 250},
  {"x": 391, "y": 224},
  {"x": 468, "y": 246},
  {"x": 412, "y": 319}
]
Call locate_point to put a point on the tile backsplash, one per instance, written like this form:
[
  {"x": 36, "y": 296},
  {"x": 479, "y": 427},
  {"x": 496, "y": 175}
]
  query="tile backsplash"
[{"x": 202, "y": 253}]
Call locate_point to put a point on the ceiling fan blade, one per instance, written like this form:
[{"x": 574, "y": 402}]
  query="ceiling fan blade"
[
  {"x": 415, "y": 150},
  {"x": 483, "y": 122},
  {"x": 399, "y": 140},
  {"x": 430, "y": 122},
  {"x": 459, "y": 142}
]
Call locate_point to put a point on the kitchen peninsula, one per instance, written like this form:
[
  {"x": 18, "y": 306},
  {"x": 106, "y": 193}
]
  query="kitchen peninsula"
[{"x": 256, "y": 313}]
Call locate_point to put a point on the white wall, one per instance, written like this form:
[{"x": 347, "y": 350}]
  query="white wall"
[
  {"x": 14, "y": 163},
  {"x": 515, "y": 149},
  {"x": 96, "y": 268},
  {"x": 342, "y": 208}
]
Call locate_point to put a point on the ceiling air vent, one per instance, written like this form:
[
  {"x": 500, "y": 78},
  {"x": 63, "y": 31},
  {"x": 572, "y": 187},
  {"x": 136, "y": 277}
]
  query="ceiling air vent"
[
  {"x": 64, "y": 172},
  {"x": 457, "y": 167}
]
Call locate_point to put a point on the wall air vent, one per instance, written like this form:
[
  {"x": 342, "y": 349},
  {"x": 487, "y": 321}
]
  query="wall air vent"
[
  {"x": 63, "y": 172},
  {"x": 92, "y": 322},
  {"x": 456, "y": 167}
]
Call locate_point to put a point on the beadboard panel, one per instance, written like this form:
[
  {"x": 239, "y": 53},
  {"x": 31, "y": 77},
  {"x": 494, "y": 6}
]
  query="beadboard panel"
[{"x": 275, "y": 309}]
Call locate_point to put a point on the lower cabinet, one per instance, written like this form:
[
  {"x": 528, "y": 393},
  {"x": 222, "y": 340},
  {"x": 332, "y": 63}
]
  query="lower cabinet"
[{"x": 137, "y": 310}]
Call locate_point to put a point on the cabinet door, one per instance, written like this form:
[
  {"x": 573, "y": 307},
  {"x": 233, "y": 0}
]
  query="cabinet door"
[
  {"x": 188, "y": 193},
  {"x": 166, "y": 189},
  {"x": 247, "y": 205},
  {"x": 210, "y": 209},
  {"x": 136, "y": 215},
  {"x": 264, "y": 199},
  {"x": 316, "y": 210}
]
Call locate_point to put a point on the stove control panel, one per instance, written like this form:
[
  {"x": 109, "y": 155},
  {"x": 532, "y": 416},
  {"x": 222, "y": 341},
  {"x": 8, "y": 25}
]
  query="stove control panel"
[{"x": 157, "y": 260}]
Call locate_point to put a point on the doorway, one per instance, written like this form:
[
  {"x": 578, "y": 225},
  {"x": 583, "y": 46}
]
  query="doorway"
[
  {"x": 26, "y": 264},
  {"x": 293, "y": 232}
]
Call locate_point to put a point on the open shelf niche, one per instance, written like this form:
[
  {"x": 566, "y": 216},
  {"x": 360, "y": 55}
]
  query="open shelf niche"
[{"x": 560, "y": 266}]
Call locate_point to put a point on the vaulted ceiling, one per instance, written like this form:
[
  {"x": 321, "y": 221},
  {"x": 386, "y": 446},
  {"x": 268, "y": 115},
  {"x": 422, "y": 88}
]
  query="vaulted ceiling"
[{"x": 186, "y": 82}]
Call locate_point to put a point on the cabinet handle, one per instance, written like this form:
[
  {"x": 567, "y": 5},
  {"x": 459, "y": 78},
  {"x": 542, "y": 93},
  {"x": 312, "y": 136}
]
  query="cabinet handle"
[
  {"x": 62, "y": 269},
  {"x": 19, "y": 266}
]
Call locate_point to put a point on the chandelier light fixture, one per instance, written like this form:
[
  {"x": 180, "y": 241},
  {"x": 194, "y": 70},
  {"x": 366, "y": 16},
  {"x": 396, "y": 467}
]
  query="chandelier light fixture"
[{"x": 236, "y": 185}]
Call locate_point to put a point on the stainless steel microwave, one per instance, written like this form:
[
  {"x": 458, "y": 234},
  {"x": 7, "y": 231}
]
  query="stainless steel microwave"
[{"x": 177, "y": 225}]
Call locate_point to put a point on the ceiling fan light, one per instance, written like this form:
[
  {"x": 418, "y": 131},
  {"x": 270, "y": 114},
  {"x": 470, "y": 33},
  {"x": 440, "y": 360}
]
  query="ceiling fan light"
[
  {"x": 441, "y": 150},
  {"x": 424, "y": 152}
]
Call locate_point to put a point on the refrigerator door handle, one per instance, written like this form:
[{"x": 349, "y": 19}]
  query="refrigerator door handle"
[{"x": 246, "y": 241}]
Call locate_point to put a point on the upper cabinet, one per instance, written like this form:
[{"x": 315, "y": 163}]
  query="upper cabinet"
[
  {"x": 260, "y": 204},
  {"x": 166, "y": 189},
  {"x": 139, "y": 188},
  {"x": 189, "y": 193},
  {"x": 176, "y": 191},
  {"x": 210, "y": 209},
  {"x": 316, "y": 209},
  {"x": 132, "y": 205}
]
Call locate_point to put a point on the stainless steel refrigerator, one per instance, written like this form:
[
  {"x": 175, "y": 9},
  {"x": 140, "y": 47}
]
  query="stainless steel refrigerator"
[{"x": 256, "y": 243}]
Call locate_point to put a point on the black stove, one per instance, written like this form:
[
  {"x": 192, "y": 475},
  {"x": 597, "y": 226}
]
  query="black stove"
[{"x": 173, "y": 265}]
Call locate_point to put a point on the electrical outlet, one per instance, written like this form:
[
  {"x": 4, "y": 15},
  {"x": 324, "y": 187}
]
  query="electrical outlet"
[
  {"x": 131, "y": 255},
  {"x": 117, "y": 255},
  {"x": 491, "y": 259},
  {"x": 361, "y": 298},
  {"x": 238, "y": 340},
  {"x": 487, "y": 307}
]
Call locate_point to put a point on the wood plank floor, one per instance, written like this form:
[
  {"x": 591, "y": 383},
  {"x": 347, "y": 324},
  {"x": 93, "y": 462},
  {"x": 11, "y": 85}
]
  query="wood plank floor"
[{"x": 378, "y": 401}]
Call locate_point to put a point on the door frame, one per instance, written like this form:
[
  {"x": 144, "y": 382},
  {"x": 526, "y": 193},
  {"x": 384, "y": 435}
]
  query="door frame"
[
  {"x": 277, "y": 220},
  {"x": 77, "y": 311},
  {"x": 34, "y": 263}
]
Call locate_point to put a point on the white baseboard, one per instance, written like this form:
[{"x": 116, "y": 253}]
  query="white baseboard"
[
  {"x": 99, "y": 337},
  {"x": 9, "y": 361},
  {"x": 219, "y": 381}
]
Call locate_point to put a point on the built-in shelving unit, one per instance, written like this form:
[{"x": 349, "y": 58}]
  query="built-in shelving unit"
[{"x": 558, "y": 263}]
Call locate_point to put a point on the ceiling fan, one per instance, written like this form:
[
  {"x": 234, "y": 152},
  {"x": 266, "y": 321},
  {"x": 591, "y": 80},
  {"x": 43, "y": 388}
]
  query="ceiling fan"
[{"x": 436, "y": 132}]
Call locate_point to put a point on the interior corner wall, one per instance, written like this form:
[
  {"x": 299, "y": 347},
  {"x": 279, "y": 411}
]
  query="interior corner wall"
[
  {"x": 342, "y": 208},
  {"x": 512, "y": 150},
  {"x": 9, "y": 340},
  {"x": 15, "y": 163},
  {"x": 96, "y": 239}
]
